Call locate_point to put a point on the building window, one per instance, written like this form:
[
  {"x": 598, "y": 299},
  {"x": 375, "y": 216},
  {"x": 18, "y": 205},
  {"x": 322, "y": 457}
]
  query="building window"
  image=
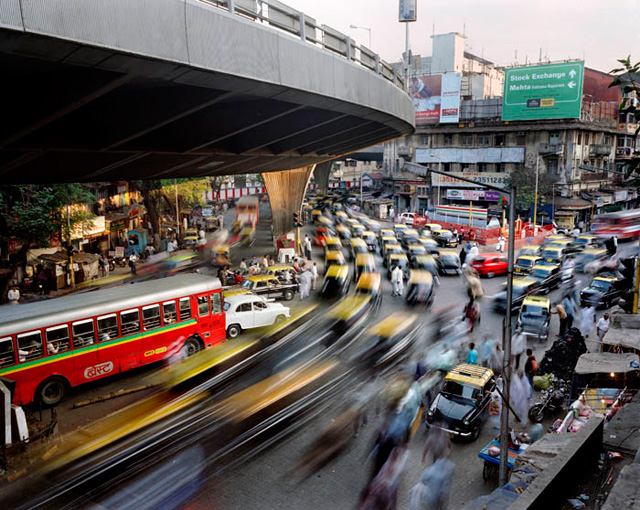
[
  {"x": 500, "y": 139},
  {"x": 467, "y": 140},
  {"x": 579, "y": 139},
  {"x": 521, "y": 139},
  {"x": 484, "y": 140},
  {"x": 501, "y": 167},
  {"x": 446, "y": 167},
  {"x": 425, "y": 140},
  {"x": 483, "y": 167},
  {"x": 607, "y": 140},
  {"x": 554, "y": 138},
  {"x": 552, "y": 167},
  {"x": 448, "y": 140}
]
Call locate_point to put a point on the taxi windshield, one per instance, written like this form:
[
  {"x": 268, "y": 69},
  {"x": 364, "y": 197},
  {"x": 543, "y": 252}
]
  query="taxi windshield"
[
  {"x": 247, "y": 284},
  {"x": 460, "y": 390},
  {"x": 525, "y": 262},
  {"x": 600, "y": 284},
  {"x": 540, "y": 273},
  {"x": 552, "y": 254},
  {"x": 449, "y": 258},
  {"x": 533, "y": 310}
]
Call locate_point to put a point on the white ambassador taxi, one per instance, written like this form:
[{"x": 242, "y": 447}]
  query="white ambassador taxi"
[{"x": 246, "y": 311}]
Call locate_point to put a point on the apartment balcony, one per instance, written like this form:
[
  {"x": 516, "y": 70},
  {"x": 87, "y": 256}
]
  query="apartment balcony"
[
  {"x": 551, "y": 148},
  {"x": 594, "y": 176},
  {"x": 598, "y": 149}
]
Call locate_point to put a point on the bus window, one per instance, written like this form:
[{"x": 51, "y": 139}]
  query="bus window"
[
  {"x": 151, "y": 316},
  {"x": 83, "y": 333},
  {"x": 29, "y": 346},
  {"x": 57, "y": 339},
  {"x": 169, "y": 312},
  {"x": 107, "y": 327},
  {"x": 216, "y": 303},
  {"x": 203, "y": 306},
  {"x": 130, "y": 322},
  {"x": 185, "y": 309},
  {"x": 7, "y": 356}
]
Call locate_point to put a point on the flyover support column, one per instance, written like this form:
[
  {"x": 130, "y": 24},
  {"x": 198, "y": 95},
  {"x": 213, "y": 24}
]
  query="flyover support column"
[
  {"x": 321, "y": 177},
  {"x": 286, "y": 191}
]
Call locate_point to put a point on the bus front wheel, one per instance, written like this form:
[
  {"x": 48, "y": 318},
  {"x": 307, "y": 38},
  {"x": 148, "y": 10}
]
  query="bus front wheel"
[
  {"x": 52, "y": 391},
  {"x": 190, "y": 347}
]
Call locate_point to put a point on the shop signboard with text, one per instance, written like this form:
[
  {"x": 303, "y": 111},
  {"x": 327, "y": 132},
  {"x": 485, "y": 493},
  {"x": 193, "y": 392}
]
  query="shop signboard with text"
[
  {"x": 473, "y": 194},
  {"x": 492, "y": 178},
  {"x": 551, "y": 91}
]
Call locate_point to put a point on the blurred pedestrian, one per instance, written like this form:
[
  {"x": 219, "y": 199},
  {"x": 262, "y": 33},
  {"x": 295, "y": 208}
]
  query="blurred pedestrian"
[
  {"x": 463, "y": 256},
  {"x": 473, "y": 253},
  {"x": 495, "y": 360},
  {"x": 265, "y": 262},
  {"x": 307, "y": 247},
  {"x": 133, "y": 258},
  {"x": 314, "y": 276},
  {"x": 602, "y": 327},
  {"x": 472, "y": 355},
  {"x": 587, "y": 320},
  {"x": 562, "y": 318},
  {"x": 570, "y": 309},
  {"x": 530, "y": 366},
  {"x": 13, "y": 295},
  {"x": 382, "y": 492},
  {"x": 501, "y": 243},
  {"x": 396, "y": 278},
  {"x": 305, "y": 279},
  {"x": 518, "y": 345},
  {"x": 243, "y": 265},
  {"x": 471, "y": 314},
  {"x": 438, "y": 444},
  {"x": 237, "y": 278},
  {"x": 432, "y": 490},
  {"x": 521, "y": 396}
]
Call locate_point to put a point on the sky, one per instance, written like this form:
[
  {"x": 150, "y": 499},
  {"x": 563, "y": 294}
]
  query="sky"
[{"x": 506, "y": 32}]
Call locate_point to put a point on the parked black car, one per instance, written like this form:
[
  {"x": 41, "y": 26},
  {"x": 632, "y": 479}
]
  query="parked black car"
[
  {"x": 549, "y": 277},
  {"x": 603, "y": 291}
]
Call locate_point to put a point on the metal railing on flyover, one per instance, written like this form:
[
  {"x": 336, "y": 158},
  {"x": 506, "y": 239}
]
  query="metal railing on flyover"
[{"x": 285, "y": 19}]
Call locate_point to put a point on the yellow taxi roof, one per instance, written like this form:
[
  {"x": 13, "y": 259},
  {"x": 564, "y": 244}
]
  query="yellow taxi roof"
[
  {"x": 553, "y": 248},
  {"x": 342, "y": 228},
  {"x": 441, "y": 230},
  {"x": 331, "y": 240},
  {"x": 316, "y": 212},
  {"x": 530, "y": 247},
  {"x": 562, "y": 242},
  {"x": 368, "y": 281},
  {"x": 586, "y": 236},
  {"x": 411, "y": 232},
  {"x": 417, "y": 276},
  {"x": 416, "y": 247},
  {"x": 427, "y": 257},
  {"x": 357, "y": 225},
  {"x": 473, "y": 375},
  {"x": 352, "y": 221},
  {"x": 433, "y": 225},
  {"x": 368, "y": 233},
  {"x": 341, "y": 213},
  {"x": 389, "y": 246},
  {"x": 280, "y": 267},
  {"x": 397, "y": 256},
  {"x": 400, "y": 226},
  {"x": 357, "y": 241},
  {"x": 448, "y": 252},
  {"x": 261, "y": 278},
  {"x": 337, "y": 271},
  {"x": 393, "y": 324},
  {"x": 363, "y": 259},
  {"x": 235, "y": 292},
  {"x": 556, "y": 236},
  {"x": 384, "y": 231},
  {"x": 605, "y": 278},
  {"x": 520, "y": 282},
  {"x": 538, "y": 301},
  {"x": 529, "y": 257},
  {"x": 335, "y": 255},
  {"x": 349, "y": 306},
  {"x": 389, "y": 240},
  {"x": 594, "y": 251},
  {"x": 547, "y": 268}
]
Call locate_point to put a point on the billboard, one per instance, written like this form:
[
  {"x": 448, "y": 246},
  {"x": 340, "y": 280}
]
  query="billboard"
[
  {"x": 472, "y": 194},
  {"x": 450, "y": 97},
  {"x": 426, "y": 94},
  {"x": 408, "y": 10},
  {"x": 550, "y": 91},
  {"x": 498, "y": 179}
]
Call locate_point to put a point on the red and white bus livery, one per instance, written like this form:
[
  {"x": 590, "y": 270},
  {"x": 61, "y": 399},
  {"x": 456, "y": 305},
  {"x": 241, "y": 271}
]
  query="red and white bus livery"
[
  {"x": 50, "y": 346},
  {"x": 621, "y": 224}
]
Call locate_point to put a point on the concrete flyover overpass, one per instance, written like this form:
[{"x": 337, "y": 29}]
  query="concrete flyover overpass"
[{"x": 100, "y": 90}]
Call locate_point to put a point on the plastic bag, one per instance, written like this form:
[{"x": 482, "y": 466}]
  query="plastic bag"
[{"x": 541, "y": 382}]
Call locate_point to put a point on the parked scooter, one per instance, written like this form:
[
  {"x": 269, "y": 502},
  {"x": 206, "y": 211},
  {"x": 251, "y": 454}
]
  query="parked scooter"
[
  {"x": 552, "y": 401},
  {"x": 113, "y": 261}
]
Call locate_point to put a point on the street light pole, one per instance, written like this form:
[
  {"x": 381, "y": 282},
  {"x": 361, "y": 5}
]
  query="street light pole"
[
  {"x": 355, "y": 27},
  {"x": 535, "y": 200}
]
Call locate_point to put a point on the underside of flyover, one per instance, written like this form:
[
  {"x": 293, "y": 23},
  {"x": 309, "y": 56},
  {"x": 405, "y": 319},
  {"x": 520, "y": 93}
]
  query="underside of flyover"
[{"x": 78, "y": 113}]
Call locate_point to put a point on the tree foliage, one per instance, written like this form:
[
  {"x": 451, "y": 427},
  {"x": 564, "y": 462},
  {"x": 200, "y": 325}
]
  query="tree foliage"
[
  {"x": 36, "y": 212},
  {"x": 524, "y": 179},
  {"x": 627, "y": 78}
]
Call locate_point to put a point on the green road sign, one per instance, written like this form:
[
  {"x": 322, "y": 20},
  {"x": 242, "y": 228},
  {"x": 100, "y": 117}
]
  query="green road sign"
[{"x": 551, "y": 91}]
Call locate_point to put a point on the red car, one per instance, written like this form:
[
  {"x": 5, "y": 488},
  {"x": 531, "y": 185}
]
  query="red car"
[
  {"x": 490, "y": 264},
  {"x": 318, "y": 237}
]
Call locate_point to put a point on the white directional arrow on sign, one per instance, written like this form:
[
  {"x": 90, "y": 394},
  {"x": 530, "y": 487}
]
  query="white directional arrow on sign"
[
  {"x": 571, "y": 84},
  {"x": 572, "y": 73}
]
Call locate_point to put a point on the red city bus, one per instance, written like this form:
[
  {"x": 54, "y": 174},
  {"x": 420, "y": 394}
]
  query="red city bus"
[
  {"x": 50, "y": 346},
  {"x": 621, "y": 224},
  {"x": 247, "y": 210}
]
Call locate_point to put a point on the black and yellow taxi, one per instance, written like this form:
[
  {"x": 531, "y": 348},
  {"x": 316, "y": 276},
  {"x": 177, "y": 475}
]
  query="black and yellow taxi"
[
  {"x": 548, "y": 276},
  {"x": 388, "y": 241},
  {"x": 415, "y": 250},
  {"x": 284, "y": 272},
  {"x": 357, "y": 229},
  {"x": 588, "y": 256},
  {"x": 344, "y": 232},
  {"x": 356, "y": 246},
  {"x": 524, "y": 264},
  {"x": 398, "y": 259},
  {"x": 270, "y": 287},
  {"x": 316, "y": 214},
  {"x": 336, "y": 282},
  {"x": 534, "y": 317},
  {"x": 553, "y": 238},
  {"x": 553, "y": 255},
  {"x": 400, "y": 228},
  {"x": 430, "y": 244},
  {"x": 449, "y": 263},
  {"x": 386, "y": 232},
  {"x": 370, "y": 284},
  {"x": 332, "y": 244},
  {"x": 364, "y": 263},
  {"x": 461, "y": 405},
  {"x": 334, "y": 257},
  {"x": 530, "y": 250},
  {"x": 585, "y": 241},
  {"x": 346, "y": 313},
  {"x": 425, "y": 263},
  {"x": 389, "y": 340},
  {"x": 522, "y": 287},
  {"x": 370, "y": 238},
  {"x": 390, "y": 249},
  {"x": 603, "y": 291},
  {"x": 429, "y": 228},
  {"x": 445, "y": 238},
  {"x": 409, "y": 236},
  {"x": 420, "y": 288}
]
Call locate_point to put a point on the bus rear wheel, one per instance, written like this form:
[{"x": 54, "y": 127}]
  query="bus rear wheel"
[
  {"x": 190, "y": 347},
  {"x": 52, "y": 391}
]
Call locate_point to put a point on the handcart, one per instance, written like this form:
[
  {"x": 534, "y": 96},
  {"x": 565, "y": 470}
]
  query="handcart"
[{"x": 492, "y": 463}]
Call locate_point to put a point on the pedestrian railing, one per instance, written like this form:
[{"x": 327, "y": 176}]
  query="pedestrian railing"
[{"x": 285, "y": 19}]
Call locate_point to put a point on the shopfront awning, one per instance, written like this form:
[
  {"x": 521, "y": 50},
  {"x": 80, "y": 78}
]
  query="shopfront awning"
[{"x": 572, "y": 204}]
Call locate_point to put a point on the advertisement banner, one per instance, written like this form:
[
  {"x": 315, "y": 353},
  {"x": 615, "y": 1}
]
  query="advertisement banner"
[
  {"x": 473, "y": 194},
  {"x": 461, "y": 211},
  {"x": 426, "y": 94},
  {"x": 551, "y": 91},
  {"x": 408, "y": 10},
  {"x": 450, "y": 104},
  {"x": 492, "y": 178}
]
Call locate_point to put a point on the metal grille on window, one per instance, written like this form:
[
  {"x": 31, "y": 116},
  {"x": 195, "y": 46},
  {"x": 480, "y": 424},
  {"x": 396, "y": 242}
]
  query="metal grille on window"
[
  {"x": 185, "y": 309},
  {"x": 7, "y": 356},
  {"x": 30, "y": 346},
  {"x": 130, "y": 322},
  {"x": 203, "y": 306},
  {"x": 107, "y": 327},
  {"x": 169, "y": 312},
  {"x": 151, "y": 316},
  {"x": 57, "y": 339},
  {"x": 83, "y": 333}
]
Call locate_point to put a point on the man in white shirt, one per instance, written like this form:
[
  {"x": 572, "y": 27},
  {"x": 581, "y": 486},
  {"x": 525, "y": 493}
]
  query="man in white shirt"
[
  {"x": 602, "y": 327},
  {"x": 314, "y": 275},
  {"x": 13, "y": 295}
]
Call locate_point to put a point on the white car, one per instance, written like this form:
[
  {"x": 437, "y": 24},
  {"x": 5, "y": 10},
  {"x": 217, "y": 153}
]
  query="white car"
[
  {"x": 407, "y": 218},
  {"x": 245, "y": 311}
]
